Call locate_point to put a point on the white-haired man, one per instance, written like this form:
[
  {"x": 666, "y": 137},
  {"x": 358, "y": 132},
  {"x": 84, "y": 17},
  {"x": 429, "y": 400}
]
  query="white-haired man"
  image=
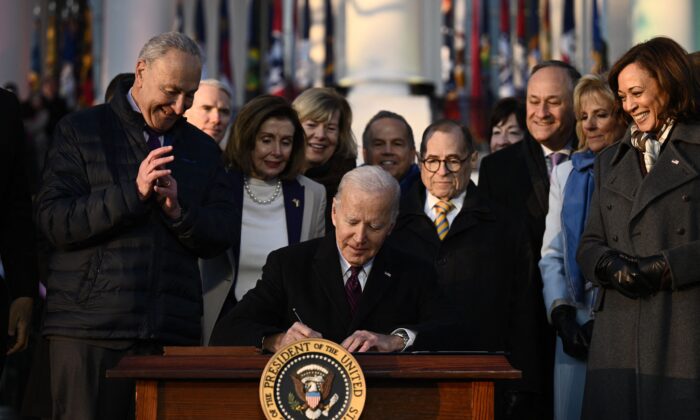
[
  {"x": 348, "y": 288},
  {"x": 132, "y": 195},
  {"x": 211, "y": 108}
]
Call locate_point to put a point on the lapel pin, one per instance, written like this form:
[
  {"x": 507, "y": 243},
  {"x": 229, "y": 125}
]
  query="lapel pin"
[
  {"x": 675, "y": 161},
  {"x": 296, "y": 202},
  {"x": 388, "y": 274}
]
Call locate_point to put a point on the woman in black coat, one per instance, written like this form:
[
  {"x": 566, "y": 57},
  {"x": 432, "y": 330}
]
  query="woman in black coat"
[{"x": 641, "y": 245}]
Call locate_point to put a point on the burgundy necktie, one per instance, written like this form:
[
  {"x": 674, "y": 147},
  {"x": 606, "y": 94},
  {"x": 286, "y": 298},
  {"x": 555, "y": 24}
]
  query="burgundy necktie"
[
  {"x": 353, "y": 291},
  {"x": 153, "y": 138}
]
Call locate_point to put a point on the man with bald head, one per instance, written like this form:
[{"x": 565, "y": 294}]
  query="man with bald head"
[
  {"x": 132, "y": 195},
  {"x": 348, "y": 287},
  {"x": 518, "y": 177}
]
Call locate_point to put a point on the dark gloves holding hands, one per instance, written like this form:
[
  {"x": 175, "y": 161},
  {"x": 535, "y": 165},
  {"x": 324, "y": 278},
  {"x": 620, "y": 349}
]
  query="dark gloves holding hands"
[
  {"x": 633, "y": 277},
  {"x": 655, "y": 270},
  {"x": 574, "y": 337}
]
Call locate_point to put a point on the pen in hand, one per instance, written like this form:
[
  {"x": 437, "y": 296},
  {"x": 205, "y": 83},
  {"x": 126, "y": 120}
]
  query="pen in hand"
[{"x": 297, "y": 315}]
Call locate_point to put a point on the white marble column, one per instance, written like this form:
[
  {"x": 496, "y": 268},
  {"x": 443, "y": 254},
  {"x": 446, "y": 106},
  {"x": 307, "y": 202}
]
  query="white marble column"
[
  {"x": 652, "y": 18},
  {"x": 127, "y": 25},
  {"x": 15, "y": 39},
  {"x": 384, "y": 52}
]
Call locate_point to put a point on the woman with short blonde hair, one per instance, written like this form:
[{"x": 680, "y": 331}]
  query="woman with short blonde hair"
[{"x": 331, "y": 150}]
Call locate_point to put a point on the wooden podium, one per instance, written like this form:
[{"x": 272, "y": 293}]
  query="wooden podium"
[{"x": 222, "y": 383}]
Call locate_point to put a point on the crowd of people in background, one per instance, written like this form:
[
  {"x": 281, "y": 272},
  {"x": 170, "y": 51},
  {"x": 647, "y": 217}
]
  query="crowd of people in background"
[{"x": 165, "y": 217}]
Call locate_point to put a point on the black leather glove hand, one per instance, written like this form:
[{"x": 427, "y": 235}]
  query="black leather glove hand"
[
  {"x": 618, "y": 270},
  {"x": 654, "y": 270},
  {"x": 573, "y": 337}
]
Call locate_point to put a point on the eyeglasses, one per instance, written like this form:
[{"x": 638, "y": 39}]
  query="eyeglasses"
[{"x": 451, "y": 164}]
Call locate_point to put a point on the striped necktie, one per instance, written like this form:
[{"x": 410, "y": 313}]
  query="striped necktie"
[{"x": 442, "y": 226}]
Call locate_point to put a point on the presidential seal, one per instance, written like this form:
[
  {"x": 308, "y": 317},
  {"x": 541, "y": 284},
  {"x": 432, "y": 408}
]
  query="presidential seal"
[{"x": 312, "y": 379}]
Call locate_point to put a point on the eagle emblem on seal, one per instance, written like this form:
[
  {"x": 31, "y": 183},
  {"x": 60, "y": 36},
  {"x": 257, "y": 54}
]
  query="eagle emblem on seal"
[{"x": 313, "y": 384}]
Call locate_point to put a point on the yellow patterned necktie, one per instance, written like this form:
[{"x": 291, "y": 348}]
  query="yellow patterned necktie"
[{"x": 442, "y": 226}]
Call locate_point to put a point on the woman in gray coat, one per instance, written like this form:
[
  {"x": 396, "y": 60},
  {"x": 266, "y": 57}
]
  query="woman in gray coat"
[{"x": 641, "y": 245}]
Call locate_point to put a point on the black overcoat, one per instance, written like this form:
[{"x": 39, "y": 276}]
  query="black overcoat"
[
  {"x": 400, "y": 293},
  {"x": 482, "y": 266}
]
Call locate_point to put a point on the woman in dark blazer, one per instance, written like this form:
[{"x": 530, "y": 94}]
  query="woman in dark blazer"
[
  {"x": 641, "y": 245},
  {"x": 278, "y": 207}
]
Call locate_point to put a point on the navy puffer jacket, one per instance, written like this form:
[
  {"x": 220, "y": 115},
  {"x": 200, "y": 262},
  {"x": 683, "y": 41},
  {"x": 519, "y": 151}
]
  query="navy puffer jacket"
[{"x": 122, "y": 269}]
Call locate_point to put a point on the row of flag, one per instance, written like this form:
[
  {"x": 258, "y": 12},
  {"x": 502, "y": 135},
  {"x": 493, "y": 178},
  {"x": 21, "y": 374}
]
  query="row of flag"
[
  {"x": 68, "y": 50},
  {"x": 469, "y": 59},
  {"x": 265, "y": 50}
]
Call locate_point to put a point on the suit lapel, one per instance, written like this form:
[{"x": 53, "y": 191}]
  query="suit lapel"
[
  {"x": 412, "y": 205},
  {"x": 380, "y": 281},
  {"x": 473, "y": 211},
  {"x": 537, "y": 168},
  {"x": 328, "y": 277},
  {"x": 293, "y": 193},
  {"x": 625, "y": 176},
  {"x": 237, "y": 183},
  {"x": 671, "y": 170}
]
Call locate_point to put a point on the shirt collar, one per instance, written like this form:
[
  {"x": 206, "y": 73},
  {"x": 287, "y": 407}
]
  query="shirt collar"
[
  {"x": 457, "y": 201},
  {"x": 345, "y": 265},
  {"x": 132, "y": 102},
  {"x": 547, "y": 151}
]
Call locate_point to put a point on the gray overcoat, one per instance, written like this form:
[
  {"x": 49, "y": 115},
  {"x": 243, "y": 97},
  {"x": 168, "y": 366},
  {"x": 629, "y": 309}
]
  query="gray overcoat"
[{"x": 644, "y": 361}]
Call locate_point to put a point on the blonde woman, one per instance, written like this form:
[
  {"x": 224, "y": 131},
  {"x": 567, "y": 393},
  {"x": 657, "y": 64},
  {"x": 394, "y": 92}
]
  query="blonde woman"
[
  {"x": 568, "y": 297},
  {"x": 330, "y": 150}
]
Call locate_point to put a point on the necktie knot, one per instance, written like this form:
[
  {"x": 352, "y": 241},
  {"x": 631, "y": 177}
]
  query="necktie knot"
[
  {"x": 153, "y": 138},
  {"x": 444, "y": 207},
  {"x": 557, "y": 158}
]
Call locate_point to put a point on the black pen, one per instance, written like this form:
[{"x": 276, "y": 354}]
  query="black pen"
[{"x": 297, "y": 315}]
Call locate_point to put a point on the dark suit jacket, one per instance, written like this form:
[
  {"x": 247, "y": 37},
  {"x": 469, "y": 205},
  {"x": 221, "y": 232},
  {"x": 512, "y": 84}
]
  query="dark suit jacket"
[
  {"x": 17, "y": 248},
  {"x": 399, "y": 292},
  {"x": 482, "y": 269},
  {"x": 516, "y": 177}
]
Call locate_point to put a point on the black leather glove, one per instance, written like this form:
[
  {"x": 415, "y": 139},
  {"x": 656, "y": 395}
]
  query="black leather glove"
[
  {"x": 621, "y": 271},
  {"x": 655, "y": 272},
  {"x": 573, "y": 336}
]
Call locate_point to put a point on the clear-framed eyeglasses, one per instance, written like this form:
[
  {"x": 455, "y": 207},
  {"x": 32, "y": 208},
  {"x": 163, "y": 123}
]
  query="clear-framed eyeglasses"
[{"x": 452, "y": 164}]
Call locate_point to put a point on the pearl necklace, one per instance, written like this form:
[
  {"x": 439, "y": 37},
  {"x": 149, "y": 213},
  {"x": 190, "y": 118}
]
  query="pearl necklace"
[{"x": 252, "y": 196}]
